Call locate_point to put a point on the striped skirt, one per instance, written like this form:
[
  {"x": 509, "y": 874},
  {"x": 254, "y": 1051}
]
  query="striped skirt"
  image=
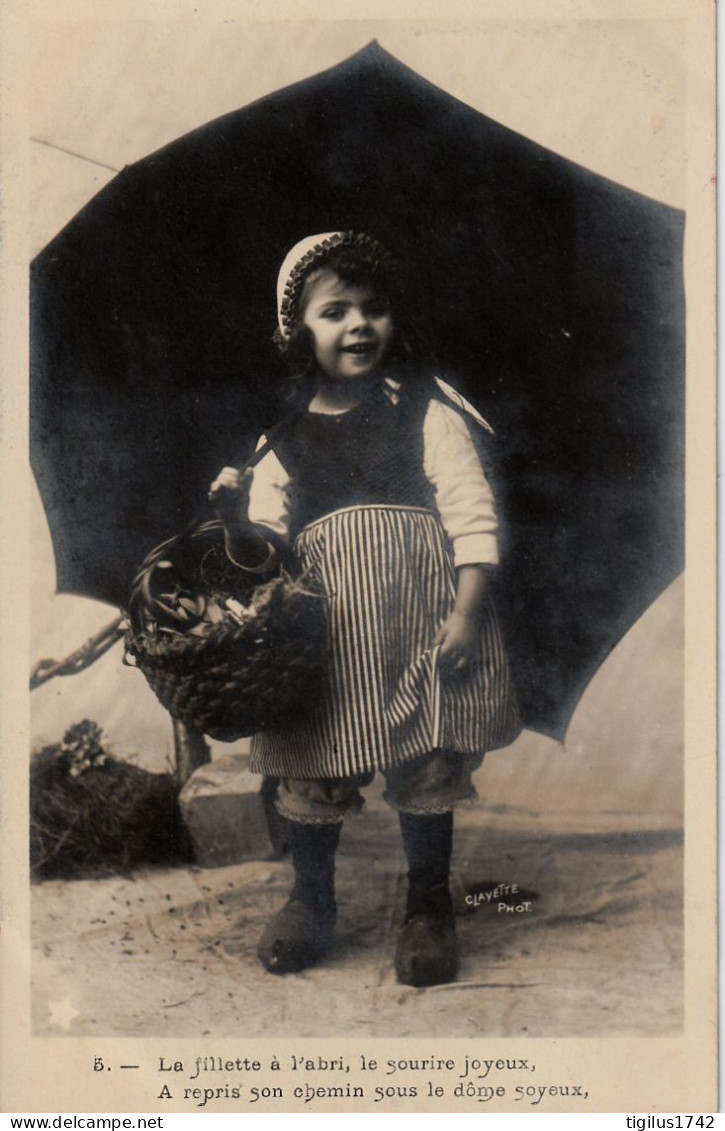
[{"x": 390, "y": 584}]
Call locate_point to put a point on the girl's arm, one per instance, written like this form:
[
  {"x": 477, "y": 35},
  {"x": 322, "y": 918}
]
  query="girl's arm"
[
  {"x": 244, "y": 544},
  {"x": 463, "y": 496},
  {"x": 458, "y": 636},
  {"x": 467, "y": 510},
  {"x": 268, "y": 507}
]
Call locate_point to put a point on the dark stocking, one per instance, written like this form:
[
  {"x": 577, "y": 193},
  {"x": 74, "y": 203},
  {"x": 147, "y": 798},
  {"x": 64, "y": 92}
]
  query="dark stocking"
[
  {"x": 301, "y": 933},
  {"x": 426, "y": 952}
]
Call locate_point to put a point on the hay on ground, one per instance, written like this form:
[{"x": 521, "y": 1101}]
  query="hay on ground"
[{"x": 92, "y": 814}]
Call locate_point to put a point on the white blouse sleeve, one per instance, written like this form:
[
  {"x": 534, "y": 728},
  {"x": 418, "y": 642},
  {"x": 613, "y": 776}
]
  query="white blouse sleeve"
[
  {"x": 269, "y": 503},
  {"x": 463, "y": 495}
]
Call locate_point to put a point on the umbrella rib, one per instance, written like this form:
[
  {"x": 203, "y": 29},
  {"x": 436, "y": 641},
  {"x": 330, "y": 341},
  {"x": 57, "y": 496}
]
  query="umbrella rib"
[{"x": 72, "y": 153}]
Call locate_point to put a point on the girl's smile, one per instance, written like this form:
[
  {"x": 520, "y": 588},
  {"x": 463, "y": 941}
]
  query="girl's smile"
[{"x": 351, "y": 326}]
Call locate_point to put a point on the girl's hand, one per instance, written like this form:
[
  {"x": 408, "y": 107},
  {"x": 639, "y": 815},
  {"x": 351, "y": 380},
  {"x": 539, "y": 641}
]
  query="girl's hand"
[
  {"x": 226, "y": 494},
  {"x": 458, "y": 638},
  {"x": 227, "y": 477}
]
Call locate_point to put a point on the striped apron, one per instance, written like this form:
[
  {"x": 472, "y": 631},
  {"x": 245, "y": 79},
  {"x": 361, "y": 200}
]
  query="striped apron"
[{"x": 390, "y": 584}]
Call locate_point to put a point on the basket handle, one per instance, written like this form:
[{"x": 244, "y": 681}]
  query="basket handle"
[{"x": 201, "y": 523}]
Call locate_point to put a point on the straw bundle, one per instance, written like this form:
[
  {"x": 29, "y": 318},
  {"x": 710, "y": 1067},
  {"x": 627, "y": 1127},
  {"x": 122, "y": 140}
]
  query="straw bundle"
[{"x": 91, "y": 814}]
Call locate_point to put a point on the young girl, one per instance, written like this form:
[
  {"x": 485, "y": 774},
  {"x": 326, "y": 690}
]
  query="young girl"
[{"x": 376, "y": 483}]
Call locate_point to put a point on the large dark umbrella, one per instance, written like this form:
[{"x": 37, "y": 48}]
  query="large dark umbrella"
[{"x": 552, "y": 297}]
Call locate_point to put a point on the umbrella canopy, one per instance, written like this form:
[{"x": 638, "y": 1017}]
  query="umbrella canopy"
[{"x": 552, "y": 297}]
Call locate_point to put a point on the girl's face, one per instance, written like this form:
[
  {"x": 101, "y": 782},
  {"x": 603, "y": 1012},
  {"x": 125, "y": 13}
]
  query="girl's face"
[{"x": 351, "y": 326}]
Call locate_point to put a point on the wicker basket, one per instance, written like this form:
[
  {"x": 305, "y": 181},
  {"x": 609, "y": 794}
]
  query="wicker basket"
[{"x": 226, "y": 658}]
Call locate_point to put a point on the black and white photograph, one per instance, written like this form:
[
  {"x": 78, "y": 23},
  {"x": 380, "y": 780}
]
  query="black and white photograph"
[{"x": 370, "y": 368}]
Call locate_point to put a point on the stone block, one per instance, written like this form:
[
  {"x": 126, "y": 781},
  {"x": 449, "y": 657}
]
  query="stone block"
[{"x": 225, "y": 814}]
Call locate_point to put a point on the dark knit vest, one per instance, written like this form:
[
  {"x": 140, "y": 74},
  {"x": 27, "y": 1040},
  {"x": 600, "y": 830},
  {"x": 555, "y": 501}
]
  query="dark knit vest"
[{"x": 372, "y": 454}]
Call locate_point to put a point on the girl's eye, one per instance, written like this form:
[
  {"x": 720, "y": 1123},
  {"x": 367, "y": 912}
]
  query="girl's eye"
[
  {"x": 333, "y": 313},
  {"x": 378, "y": 310}
]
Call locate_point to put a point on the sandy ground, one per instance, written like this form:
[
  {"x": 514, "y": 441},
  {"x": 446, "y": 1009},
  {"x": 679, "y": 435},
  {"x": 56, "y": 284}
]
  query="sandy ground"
[
  {"x": 173, "y": 952},
  {"x": 590, "y": 831}
]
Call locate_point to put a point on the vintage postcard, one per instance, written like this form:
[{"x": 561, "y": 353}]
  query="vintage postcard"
[{"x": 358, "y": 424}]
